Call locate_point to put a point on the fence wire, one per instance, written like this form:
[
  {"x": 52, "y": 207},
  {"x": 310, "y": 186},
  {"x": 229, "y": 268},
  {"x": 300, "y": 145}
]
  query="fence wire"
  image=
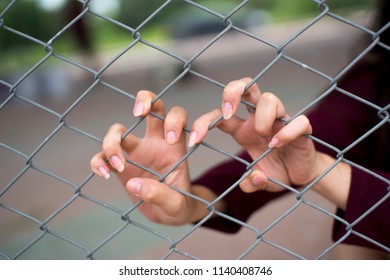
[{"x": 34, "y": 157}]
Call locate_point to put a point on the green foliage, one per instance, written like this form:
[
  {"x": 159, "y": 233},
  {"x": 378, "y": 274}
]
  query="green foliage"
[{"x": 27, "y": 17}]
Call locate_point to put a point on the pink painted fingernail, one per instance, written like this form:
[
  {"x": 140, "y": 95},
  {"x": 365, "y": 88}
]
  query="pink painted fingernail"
[
  {"x": 274, "y": 142},
  {"x": 192, "y": 139},
  {"x": 171, "y": 137},
  {"x": 104, "y": 172},
  {"x": 227, "y": 110},
  {"x": 117, "y": 163},
  {"x": 139, "y": 109}
]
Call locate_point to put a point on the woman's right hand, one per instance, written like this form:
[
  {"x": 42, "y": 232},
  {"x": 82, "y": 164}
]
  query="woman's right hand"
[{"x": 293, "y": 158}]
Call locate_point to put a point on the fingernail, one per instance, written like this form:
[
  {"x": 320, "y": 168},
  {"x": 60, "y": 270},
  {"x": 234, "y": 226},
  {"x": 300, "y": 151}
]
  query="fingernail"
[
  {"x": 139, "y": 108},
  {"x": 227, "y": 110},
  {"x": 117, "y": 163},
  {"x": 103, "y": 171},
  {"x": 274, "y": 142},
  {"x": 134, "y": 186},
  {"x": 171, "y": 137},
  {"x": 192, "y": 139}
]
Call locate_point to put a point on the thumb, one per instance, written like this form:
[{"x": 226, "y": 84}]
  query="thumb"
[
  {"x": 257, "y": 180},
  {"x": 230, "y": 126},
  {"x": 169, "y": 201}
]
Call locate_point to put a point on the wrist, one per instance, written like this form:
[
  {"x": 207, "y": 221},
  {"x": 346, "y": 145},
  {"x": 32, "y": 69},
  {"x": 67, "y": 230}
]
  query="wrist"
[{"x": 335, "y": 185}]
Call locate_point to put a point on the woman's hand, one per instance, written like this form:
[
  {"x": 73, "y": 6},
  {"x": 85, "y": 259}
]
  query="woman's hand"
[
  {"x": 293, "y": 160},
  {"x": 162, "y": 147}
]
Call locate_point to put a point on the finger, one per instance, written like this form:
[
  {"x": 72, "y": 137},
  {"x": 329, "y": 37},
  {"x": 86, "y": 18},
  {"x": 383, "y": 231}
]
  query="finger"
[
  {"x": 292, "y": 131},
  {"x": 175, "y": 122},
  {"x": 233, "y": 93},
  {"x": 143, "y": 103},
  {"x": 99, "y": 166},
  {"x": 169, "y": 201},
  {"x": 143, "y": 106},
  {"x": 112, "y": 148},
  {"x": 256, "y": 181},
  {"x": 201, "y": 126},
  {"x": 268, "y": 110}
]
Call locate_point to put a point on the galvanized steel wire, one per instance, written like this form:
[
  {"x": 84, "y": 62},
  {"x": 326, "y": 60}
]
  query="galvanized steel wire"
[{"x": 125, "y": 217}]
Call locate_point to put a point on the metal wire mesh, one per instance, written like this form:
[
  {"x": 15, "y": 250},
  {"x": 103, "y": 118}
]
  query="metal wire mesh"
[{"x": 64, "y": 134}]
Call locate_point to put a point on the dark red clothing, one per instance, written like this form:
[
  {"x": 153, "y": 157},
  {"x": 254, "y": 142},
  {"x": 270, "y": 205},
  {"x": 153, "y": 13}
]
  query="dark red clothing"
[{"x": 338, "y": 120}]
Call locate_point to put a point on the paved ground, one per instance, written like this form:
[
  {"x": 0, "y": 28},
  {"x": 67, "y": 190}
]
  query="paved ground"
[{"x": 24, "y": 127}]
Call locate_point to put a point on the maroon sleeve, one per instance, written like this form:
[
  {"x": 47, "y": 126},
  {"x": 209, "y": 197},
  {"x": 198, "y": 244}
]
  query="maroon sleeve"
[
  {"x": 367, "y": 212},
  {"x": 338, "y": 120},
  {"x": 240, "y": 204}
]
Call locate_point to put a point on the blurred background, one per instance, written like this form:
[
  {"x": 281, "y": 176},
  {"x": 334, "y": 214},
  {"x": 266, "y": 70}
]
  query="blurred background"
[
  {"x": 63, "y": 85},
  {"x": 92, "y": 34}
]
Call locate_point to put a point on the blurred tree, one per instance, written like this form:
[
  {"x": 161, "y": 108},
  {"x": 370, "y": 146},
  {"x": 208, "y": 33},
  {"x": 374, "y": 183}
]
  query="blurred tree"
[
  {"x": 134, "y": 12},
  {"x": 28, "y": 18},
  {"x": 80, "y": 29}
]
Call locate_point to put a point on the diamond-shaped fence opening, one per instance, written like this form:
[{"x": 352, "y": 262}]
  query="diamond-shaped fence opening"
[{"x": 63, "y": 87}]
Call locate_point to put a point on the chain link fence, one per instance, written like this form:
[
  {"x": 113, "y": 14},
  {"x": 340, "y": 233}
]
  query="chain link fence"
[{"x": 55, "y": 112}]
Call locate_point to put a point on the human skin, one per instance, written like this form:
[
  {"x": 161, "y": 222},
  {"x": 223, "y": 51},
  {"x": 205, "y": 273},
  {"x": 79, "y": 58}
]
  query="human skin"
[{"x": 292, "y": 161}]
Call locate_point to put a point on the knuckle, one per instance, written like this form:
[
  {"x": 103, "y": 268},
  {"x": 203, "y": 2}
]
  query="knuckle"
[
  {"x": 94, "y": 162},
  {"x": 200, "y": 123},
  {"x": 305, "y": 122},
  {"x": 269, "y": 97},
  {"x": 247, "y": 79},
  {"x": 303, "y": 119},
  {"x": 145, "y": 94},
  {"x": 151, "y": 194},
  {"x": 181, "y": 111},
  {"x": 109, "y": 147},
  {"x": 261, "y": 129},
  {"x": 116, "y": 127},
  {"x": 113, "y": 138},
  {"x": 234, "y": 89},
  {"x": 176, "y": 115},
  {"x": 177, "y": 204},
  {"x": 247, "y": 187},
  {"x": 158, "y": 104},
  {"x": 178, "y": 109}
]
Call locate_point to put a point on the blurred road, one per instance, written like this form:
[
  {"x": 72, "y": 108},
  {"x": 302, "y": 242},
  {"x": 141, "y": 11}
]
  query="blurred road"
[{"x": 327, "y": 47}]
